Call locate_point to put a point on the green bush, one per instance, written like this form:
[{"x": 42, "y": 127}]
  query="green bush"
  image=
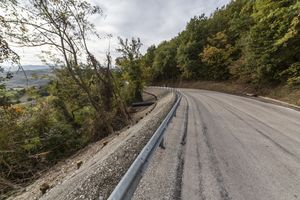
[
  {"x": 32, "y": 139},
  {"x": 292, "y": 74}
]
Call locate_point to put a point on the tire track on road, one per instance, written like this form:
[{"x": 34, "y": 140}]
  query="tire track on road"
[
  {"x": 179, "y": 171},
  {"x": 214, "y": 161}
]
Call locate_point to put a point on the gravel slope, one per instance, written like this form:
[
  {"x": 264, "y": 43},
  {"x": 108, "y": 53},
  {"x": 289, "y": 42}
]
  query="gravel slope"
[{"x": 101, "y": 172}]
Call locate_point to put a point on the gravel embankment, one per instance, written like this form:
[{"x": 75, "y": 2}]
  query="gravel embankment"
[{"x": 100, "y": 173}]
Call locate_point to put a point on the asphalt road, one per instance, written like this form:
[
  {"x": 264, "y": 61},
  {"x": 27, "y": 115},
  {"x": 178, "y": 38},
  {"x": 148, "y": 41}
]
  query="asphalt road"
[{"x": 236, "y": 148}]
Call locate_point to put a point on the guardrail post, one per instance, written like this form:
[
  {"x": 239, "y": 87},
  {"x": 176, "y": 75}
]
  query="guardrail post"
[
  {"x": 175, "y": 111},
  {"x": 162, "y": 143},
  {"x": 129, "y": 182}
]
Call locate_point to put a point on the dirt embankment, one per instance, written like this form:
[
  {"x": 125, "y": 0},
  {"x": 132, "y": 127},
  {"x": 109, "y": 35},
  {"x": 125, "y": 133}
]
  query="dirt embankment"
[
  {"x": 287, "y": 94},
  {"x": 102, "y": 164}
]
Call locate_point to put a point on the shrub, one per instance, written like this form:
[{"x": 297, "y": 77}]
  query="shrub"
[
  {"x": 292, "y": 74},
  {"x": 32, "y": 139}
]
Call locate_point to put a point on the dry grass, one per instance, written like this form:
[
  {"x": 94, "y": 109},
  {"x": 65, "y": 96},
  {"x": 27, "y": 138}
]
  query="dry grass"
[
  {"x": 286, "y": 94},
  {"x": 282, "y": 93},
  {"x": 227, "y": 87}
]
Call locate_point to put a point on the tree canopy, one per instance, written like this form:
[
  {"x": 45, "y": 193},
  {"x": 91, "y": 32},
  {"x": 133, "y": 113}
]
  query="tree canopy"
[
  {"x": 81, "y": 104},
  {"x": 253, "y": 41}
]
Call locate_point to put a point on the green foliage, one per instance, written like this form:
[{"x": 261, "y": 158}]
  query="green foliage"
[
  {"x": 269, "y": 51},
  {"x": 254, "y": 41},
  {"x": 164, "y": 63},
  {"x": 216, "y": 55},
  {"x": 131, "y": 67},
  {"x": 4, "y": 98},
  {"x": 31, "y": 139},
  {"x": 147, "y": 63},
  {"x": 65, "y": 26},
  {"x": 6, "y": 53},
  {"x": 190, "y": 43},
  {"x": 81, "y": 105},
  {"x": 292, "y": 74}
]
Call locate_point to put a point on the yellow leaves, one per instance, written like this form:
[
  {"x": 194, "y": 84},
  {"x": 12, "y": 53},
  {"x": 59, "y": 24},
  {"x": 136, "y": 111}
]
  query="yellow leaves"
[
  {"x": 291, "y": 33},
  {"x": 211, "y": 54},
  {"x": 13, "y": 109},
  {"x": 218, "y": 50},
  {"x": 219, "y": 40},
  {"x": 18, "y": 109},
  {"x": 207, "y": 53}
]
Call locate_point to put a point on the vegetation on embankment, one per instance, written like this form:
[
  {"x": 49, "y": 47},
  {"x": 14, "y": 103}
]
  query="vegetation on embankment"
[
  {"x": 245, "y": 45},
  {"x": 282, "y": 92},
  {"x": 85, "y": 100}
]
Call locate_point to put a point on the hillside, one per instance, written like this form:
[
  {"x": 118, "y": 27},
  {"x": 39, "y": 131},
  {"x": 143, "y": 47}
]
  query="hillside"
[
  {"x": 254, "y": 44},
  {"x": 34, "y": 77}
]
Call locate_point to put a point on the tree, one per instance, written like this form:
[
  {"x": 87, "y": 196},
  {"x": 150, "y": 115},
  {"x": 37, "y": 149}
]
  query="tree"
[
  {"x": 130, "y": 64},
  {"x": 273, "y": 44},
  {"x": 147, "y": 63},
  {"x": 7, "y": 55},
  {"x": 65, "y": 26},
  {"x": 190, "y": 43},
  {"x": 261, "y": 47},
  {"x": 216, "y": 55},
  {"x": 84, "y": 105},
  {"x": 165, "y": 65}
]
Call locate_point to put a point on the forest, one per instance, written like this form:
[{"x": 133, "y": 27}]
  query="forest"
[{"x": 253, "y": 43}]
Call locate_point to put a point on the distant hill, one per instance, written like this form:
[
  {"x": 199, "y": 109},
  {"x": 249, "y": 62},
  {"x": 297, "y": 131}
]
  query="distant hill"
[
  {"x": 26, "y": 67},
  {"x": 36, "y": 67},
  {"x": 35, "y": 77}
]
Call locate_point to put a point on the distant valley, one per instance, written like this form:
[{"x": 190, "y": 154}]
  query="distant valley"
[{"x": 31, "y": 76}]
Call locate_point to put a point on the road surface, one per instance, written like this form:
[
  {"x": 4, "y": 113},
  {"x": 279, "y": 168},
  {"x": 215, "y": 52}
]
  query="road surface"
[{"x": 235, "y": 148}]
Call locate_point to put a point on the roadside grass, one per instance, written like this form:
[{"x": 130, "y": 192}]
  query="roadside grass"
[
  {"x": 227, "y": 87},
  {"x": 286, "y": 94}
]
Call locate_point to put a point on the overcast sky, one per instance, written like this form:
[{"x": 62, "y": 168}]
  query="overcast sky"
[{"x": 151, "y": 20}]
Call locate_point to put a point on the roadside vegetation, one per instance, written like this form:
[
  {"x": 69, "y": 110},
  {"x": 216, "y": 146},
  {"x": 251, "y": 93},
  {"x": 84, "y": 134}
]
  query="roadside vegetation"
[
  {"x": 251, "y": 44},
  {"x": 84, "y": 101}
]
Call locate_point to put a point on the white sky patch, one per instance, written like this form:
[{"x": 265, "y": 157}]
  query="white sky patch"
[{"x": 151, "y": 20}]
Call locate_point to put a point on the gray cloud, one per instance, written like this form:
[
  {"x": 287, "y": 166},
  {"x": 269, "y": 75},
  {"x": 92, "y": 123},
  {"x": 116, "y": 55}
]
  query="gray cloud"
[
  {"x": 154, "y": 20},
  {"x": 151, "y": 20}
]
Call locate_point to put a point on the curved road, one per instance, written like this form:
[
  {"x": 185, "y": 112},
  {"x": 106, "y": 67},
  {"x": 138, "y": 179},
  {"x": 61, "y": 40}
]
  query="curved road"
[{"x": 236, "y": 148}]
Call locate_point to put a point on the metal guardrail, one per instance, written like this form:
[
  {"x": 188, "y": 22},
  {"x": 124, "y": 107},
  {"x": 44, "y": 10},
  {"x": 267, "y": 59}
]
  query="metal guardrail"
[{"x": 128, "y": 184}]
